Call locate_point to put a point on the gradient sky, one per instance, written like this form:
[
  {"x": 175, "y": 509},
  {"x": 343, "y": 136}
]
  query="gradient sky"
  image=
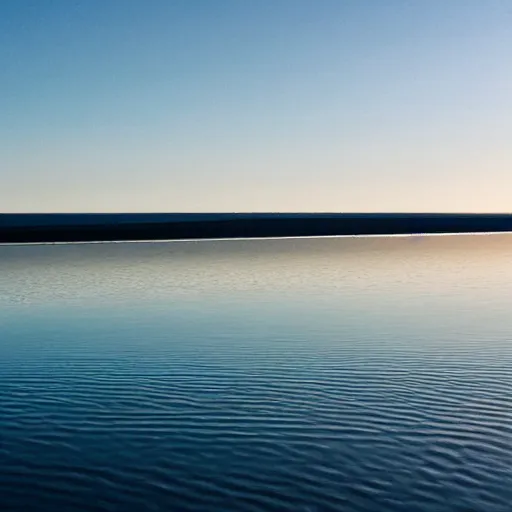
[{"x": 255, "y": 105}]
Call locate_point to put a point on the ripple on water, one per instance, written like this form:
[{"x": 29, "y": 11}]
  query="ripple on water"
[{"x": 316, "y": 395}]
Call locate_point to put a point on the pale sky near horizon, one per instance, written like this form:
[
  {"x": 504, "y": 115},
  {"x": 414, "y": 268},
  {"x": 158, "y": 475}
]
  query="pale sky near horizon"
[{"x": 255, "y": 105}]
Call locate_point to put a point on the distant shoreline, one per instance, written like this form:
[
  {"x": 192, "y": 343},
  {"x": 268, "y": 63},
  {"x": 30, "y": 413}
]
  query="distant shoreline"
[{"x": 41, "y": 228}]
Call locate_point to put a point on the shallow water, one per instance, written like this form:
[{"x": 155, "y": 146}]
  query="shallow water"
[{"x": 370, "y": 374}]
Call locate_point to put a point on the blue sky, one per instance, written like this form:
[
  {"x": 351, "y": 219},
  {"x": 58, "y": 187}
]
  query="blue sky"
[{"x": 257, "y": 105}]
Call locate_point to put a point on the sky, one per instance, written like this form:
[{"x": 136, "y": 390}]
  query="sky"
[{"x": 255, "y": 105}]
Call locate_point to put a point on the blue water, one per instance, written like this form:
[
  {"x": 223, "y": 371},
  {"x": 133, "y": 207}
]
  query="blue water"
[{"x": 280, "y": 375}]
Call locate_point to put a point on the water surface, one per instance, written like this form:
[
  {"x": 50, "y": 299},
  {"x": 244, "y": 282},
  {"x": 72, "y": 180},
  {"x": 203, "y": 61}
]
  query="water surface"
[{"x": 370, "y": 374}]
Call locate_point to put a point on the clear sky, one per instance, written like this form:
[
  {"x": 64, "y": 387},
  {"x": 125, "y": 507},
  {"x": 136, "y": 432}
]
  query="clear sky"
[{"x": 255, "y": 105}]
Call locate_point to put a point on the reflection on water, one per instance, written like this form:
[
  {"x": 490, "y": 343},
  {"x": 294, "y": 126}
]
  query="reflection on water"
[{"x": 303, "y": 375}]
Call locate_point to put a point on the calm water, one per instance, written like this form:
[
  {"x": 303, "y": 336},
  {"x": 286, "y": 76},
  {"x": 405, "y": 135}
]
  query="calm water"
[{"x": 279, "y": 375}]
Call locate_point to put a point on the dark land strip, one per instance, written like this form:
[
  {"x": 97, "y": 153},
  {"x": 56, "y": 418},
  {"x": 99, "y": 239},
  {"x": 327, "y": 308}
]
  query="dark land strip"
[{"x": 34, "y": 228}]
